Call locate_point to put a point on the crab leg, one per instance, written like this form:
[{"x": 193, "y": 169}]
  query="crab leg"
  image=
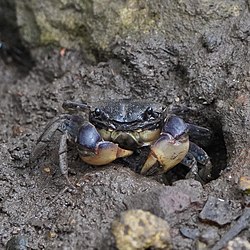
[
  {"x": 61, "y": 123},
  {"x": 198, "y": 132},
  {"x": 201, "y": 157},
  {"x": 190, "y": 162},
  {"x": 69, "y": 105},
  {"x": 46, "y": 136},
  {"x": 197, "y": 155},
  {"x": 170, "y": 148},
  {"x": 63, "y": 158},
  {"x": 94, "y": 150}
]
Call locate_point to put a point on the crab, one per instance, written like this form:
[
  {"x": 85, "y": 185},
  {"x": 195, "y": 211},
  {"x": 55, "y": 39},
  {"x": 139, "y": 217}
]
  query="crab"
[{"x": 116, "y": 128}]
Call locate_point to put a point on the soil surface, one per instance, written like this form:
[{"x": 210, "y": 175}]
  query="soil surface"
[{"x": 207, "y": 84}]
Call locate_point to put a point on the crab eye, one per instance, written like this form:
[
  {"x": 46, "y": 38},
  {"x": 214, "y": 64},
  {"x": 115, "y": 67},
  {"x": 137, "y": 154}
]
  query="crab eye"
[
  {"x": 149, "y": 113},
  {"x": 98, "y": 111}
]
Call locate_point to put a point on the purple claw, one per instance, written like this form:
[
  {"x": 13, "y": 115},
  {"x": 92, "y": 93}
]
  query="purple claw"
[{"x": 175, "y": 126}]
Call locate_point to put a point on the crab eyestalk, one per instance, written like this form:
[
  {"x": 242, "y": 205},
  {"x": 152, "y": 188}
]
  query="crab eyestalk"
[
  {"x": 170, "y": 148},
  {"x": 74, "y": 106}
]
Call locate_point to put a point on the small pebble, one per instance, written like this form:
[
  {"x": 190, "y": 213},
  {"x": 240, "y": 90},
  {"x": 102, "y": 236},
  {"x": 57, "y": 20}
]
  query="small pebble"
[
  {"x": 218, "y": 211},
  {"x": 191, "y": 233},
  {"x": 47, "y": 170},
  {"x": 209, "y": 236},
  {"x": 52, "y": 234}
]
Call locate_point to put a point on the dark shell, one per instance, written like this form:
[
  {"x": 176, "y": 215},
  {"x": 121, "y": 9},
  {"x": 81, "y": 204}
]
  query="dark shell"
[{"x": 126, "y": 114}]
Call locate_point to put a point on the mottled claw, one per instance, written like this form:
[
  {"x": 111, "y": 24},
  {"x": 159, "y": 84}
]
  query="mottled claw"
[
  {"x": 94, "y": 150},
  {"x": 170, "y": 148},
  {"x": 174, "y": 147}
]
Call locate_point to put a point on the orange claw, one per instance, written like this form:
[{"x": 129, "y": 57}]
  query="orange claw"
[
  {"x": 167, "y": 151},
  {"x": 106, "y": 152}
]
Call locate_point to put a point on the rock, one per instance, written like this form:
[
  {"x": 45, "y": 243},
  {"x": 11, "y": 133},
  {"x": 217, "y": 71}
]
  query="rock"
[
  {"x": 137, "y": 229},
  {"x": 167, "y": 200},
  {"x": 241, "y": 224},
  {"x": 191, "y": 233},
  {"x": 91, "y": 25},
  {"x": 81, "y": 23},
  {"x": 218, "y": 211},
  {"x": 192, "y": 188}
]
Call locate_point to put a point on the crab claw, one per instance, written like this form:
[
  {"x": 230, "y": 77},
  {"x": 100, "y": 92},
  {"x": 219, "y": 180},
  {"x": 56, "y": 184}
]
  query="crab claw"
[
  {"x": 95, "y": 151},
  {"x": 170, "y": 148}
]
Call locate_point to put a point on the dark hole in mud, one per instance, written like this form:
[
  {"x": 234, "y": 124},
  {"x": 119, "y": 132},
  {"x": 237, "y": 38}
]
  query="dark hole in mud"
[
  {"x": 215, "y": 146},
  {"x": 217, "y": 150}
]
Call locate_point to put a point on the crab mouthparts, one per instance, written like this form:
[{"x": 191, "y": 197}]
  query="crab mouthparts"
[{"x": 126, "y": 140}]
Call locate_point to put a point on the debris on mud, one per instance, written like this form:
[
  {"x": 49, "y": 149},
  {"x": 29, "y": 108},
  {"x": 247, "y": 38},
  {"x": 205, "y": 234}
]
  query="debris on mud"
[{"x": 168, "y": 200}]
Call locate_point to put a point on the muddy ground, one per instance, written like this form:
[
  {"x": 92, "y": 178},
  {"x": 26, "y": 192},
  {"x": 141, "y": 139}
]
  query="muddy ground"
[{"x": 206, "y": 81}]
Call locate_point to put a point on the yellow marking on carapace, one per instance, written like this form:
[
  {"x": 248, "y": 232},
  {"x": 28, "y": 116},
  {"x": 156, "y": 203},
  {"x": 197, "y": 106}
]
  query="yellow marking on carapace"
[{"x": 141, "y": 137}]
